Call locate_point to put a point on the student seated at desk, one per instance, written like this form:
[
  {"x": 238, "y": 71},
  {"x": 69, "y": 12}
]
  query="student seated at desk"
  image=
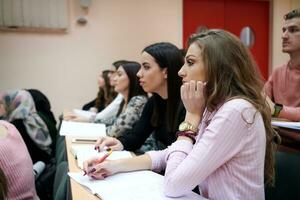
[
  {"x": 19, "y": 109},
  {"x": 16, "y": 164},
  {"x": 282, "y": 88},
  {"x": 134, "y": 99},
  {"x": 105, "y": 95},
  {"x": 111, "y": 109},
  {"x": 224, "y": 145},
  {"x": 163, "y": 111}
]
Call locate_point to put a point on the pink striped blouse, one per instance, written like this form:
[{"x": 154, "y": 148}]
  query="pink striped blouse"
[{"x": 227, "y": 160}]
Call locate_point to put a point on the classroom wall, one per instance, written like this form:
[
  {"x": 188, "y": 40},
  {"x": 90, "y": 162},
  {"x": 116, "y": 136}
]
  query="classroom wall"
[{"x": 65, "y": 66}]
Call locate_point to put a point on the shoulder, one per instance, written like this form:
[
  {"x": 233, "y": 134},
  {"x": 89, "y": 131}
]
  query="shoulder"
[
  {"x": 238, "y": 108},
  {"x": 278, "y": 70},
  {"x": 137, "y": 100}
]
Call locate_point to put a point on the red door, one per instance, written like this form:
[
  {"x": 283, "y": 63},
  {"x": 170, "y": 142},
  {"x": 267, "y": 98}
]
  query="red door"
[{"x": 232, "y": 15}]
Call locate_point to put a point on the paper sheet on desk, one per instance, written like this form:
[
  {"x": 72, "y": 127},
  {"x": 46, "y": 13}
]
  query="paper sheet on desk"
[
  {"x": 284, "y": 124},
  {"x": 82, "y": 129},
  {"x": 85, "y": 152},
  {"x": 84, "y": 113},
  {"x": 145, "y": 185}
]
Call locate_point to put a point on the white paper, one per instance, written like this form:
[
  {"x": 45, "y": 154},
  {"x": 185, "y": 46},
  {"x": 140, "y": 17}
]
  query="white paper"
[
  {"x": 82, "y": 129},
  {"x": 84, "y": 113},
  {"x": 145, "y": 185},
  {"x": 291, "y": 125},
  {"x": 85, "y": 152}
]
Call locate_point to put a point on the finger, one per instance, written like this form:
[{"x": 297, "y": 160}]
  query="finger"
[
  {"x": 192, "y": 89},
  {"x": 183, "y": 90},
  {"x": 98, "y": 143},
  {"x": 105, "y": 143},
  {"x": 97, "y": 176}
]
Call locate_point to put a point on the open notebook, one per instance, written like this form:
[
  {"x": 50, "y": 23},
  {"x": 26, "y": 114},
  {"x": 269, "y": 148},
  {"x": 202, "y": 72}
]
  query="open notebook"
[
  {"x": 87, "y": 151},
  {"x": 145, "y": 185}
]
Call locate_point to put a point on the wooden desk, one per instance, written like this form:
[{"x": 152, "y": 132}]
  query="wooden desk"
[{"x": 78, "y": 192}]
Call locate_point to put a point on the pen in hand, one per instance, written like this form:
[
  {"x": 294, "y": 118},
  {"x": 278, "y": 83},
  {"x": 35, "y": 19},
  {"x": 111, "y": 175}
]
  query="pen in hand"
[{"x": 100, "y": 160}]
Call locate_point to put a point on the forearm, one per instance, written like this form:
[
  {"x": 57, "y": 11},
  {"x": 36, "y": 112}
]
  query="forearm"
[
  {"x": 290, "y": 113},
  {"x": 142, "y": 162}
]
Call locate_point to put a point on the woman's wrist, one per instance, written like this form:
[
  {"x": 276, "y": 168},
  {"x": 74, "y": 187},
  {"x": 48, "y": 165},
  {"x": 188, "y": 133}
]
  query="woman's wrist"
[{"x": 193, "y": 119}]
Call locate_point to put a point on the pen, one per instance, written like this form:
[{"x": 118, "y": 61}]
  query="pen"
[{"x": 100, "y": 160}]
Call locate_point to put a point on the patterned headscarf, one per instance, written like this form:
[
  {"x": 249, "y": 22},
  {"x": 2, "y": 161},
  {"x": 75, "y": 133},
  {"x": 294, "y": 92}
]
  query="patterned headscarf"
[{"x": 19, "y": 104}]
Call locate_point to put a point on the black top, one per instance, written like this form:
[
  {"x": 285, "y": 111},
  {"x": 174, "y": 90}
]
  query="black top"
[
  {"x": 136, "y": 137},
  {"x": 91, "y": 104}
]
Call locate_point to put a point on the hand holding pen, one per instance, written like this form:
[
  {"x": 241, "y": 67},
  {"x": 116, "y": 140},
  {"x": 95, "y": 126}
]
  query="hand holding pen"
[{"x": 91, "y": 166}]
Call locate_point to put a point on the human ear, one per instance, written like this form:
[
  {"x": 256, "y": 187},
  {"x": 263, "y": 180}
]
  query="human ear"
[{"x": 165, "y": 72}]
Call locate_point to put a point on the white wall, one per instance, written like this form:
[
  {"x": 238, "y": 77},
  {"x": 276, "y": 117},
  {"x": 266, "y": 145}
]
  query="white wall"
[{"x": 65, "y": 65}]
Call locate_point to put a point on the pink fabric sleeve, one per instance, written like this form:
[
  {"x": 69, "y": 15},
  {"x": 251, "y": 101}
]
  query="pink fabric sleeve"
[
  {"x": 223, "y": 138},
  {"x": 158, "y": 161}
]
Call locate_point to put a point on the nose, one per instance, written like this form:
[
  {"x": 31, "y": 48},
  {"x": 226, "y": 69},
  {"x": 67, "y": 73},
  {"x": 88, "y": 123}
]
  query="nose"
[
  {"x": 181, "y": 72},
  {"x": 139, "y": 73},
  {"x": 284, "y": 34}
]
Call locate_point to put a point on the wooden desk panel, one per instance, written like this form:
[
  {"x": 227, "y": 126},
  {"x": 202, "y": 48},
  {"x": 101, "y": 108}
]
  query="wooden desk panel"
[{"x": 78, "y": 192}]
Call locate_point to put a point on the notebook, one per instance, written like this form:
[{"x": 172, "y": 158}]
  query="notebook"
[
  {"x": 145, "y": 185},
  {"x": 85, "y": 152},
  {"x": 285, "y": 124},
  {"x": 82, "y": 129}
]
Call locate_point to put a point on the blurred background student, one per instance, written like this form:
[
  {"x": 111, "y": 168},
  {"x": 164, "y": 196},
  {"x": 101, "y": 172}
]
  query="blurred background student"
[
  {"x": 126, "y": 83},
  {"x": 19, "y": 109},
  {"x": 16, "y": 164},
  {"x": 282, "y": 87},
  {"x": 105, "y": 95},
  {"x": 111, "y": 109}
]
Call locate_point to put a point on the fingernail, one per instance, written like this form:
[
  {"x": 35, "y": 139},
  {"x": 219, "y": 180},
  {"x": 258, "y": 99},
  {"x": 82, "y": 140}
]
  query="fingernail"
[{"x": 93, "y": 170}]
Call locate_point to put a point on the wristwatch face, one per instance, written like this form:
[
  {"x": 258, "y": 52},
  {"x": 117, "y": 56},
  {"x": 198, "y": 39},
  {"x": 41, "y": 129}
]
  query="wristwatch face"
[
  {"x": 278, "y": 108},
  {"x": 183, "y": 126}
]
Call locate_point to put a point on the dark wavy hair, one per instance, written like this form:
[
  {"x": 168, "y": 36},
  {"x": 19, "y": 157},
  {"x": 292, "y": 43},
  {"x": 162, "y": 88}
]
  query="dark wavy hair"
[
  {"x": 168, "y": 56},
  {"x": 131, "y": 68},
  {"x": 232, "y": 73},
  {"x": 106, "y": 94}
]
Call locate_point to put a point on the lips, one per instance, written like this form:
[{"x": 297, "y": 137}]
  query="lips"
[{"x": 142, "y": 83}]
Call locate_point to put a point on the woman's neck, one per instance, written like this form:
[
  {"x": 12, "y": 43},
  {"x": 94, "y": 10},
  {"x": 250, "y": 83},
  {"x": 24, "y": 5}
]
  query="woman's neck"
[
  {"x": 3, "y": 131},
  {"x": 125, "y": 96},
  {"x": 163, "y": 91}
]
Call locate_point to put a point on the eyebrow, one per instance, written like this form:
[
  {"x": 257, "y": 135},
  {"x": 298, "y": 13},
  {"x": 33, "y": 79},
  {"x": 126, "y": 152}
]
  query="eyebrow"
[
  {"x": 291, "y": 26},
  {"x": 145, "y": 63},
  {"x": 188, "y": 56}
]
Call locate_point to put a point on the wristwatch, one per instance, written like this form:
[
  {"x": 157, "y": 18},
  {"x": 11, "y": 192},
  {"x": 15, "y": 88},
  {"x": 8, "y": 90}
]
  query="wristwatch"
[
  {"x": 277, "y": 108},
  {"x": 186, "y": 126}
]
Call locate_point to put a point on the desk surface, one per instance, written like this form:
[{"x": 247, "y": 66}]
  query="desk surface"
[{"x": 78, "y": 191}]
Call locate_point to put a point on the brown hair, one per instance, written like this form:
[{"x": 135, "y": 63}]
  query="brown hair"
[
  {"x": 232, "y": 73},
  {"x": 106, "y": 94}
]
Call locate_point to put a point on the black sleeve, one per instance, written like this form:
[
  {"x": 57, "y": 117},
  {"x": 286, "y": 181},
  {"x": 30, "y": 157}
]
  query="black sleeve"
[
  {"x": 88, "y": 105},
  {"x": 136, "y": 137},
  {"x": 35, "y": 152}
]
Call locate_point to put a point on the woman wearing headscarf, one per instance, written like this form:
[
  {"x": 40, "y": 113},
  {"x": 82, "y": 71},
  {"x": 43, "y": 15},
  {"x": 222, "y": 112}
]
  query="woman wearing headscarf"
[{"x": 19, "y": 109}]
